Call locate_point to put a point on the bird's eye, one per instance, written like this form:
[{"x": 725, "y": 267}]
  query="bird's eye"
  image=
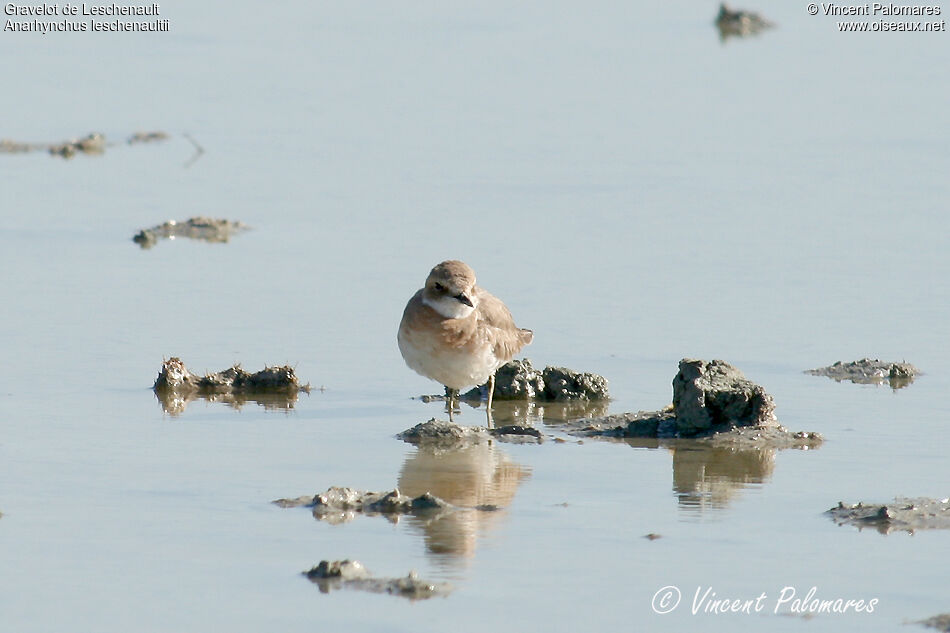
[{"x": 439, "y": 287}]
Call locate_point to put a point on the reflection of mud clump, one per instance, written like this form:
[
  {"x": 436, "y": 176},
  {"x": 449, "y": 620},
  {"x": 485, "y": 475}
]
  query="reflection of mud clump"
[
  {"x": 351, "y": 574},
  {"x": 738, "y": 23},
  {"x": 906, "y": 515},
  {"x": 557, "y": 412},
  {"x": 708, "y": 471},
  {"x": 341, "y": 505},
  {"x": 870, "y": 372},
  {"x": 518, "y": 380},
  {"x": 275, "y": 387},
  {"x": 710, "y": 476},
  {"x": 199, "y": 228}
]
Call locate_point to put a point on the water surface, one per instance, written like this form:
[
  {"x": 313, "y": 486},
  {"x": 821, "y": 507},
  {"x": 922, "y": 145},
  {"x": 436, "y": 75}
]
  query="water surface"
[{"x": 635, "y": 190}]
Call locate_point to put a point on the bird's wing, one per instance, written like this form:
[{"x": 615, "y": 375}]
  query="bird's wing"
[{"x": 494, "y": 315}]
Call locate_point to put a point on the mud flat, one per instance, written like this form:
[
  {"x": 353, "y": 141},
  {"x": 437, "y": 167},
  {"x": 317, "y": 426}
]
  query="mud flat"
[
  {"x": 870, "y": 372},
  {"x": 272, "y": 387},
  {"x": 197, "y": 228},
  {"x": 739, "y": 23},
  {"x": 903, "y": 515},
  {"x": 351, "y": 574},
  {"x": 712, "y": 401}
]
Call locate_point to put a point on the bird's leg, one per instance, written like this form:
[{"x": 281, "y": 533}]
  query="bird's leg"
[
  {"x": 491, "y": 392},
  {"x": 452, "y": 398},
  {"x": 491, "y": 389}
]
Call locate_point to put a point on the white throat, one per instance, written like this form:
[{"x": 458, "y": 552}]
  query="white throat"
[{"x": 448, "y": 307}]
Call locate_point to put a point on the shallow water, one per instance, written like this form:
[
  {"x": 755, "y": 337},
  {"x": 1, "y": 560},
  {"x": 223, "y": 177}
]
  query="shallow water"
[{"x": 635, "y": 190}]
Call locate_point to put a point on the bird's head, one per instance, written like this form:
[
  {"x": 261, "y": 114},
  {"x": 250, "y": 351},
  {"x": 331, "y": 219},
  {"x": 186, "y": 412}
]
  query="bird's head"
[{"x": 450, "y": 290}]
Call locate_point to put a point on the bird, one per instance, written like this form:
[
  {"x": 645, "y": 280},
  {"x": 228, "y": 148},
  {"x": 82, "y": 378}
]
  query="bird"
[{"x": 458, "y": 334}]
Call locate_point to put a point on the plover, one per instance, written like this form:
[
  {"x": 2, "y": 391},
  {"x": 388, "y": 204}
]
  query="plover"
[{"x": 458, "y": 334}]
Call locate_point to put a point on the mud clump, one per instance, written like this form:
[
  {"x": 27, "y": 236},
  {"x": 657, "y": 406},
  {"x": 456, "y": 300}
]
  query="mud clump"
[
  {"x": 739, "y": 23},
  {"x": 662, "y": 425},
  {"x": 443, "y": 435},
  {"x": 92, "y": 144},
  {"x": 147, "y": 137},
  {"x": 273, "y": 387},
  {"x": 870, "y": 372},
  {"x": 519, "y": 380},
  {"x": 351, "y": 574},
  {"x": 715, "y": 395},
  {"x": 197, "y": 228},
  {"x": 710, "y": 399},
  {"x": 440, "y": 434},
  {"x": 773, "y": 437},
  {"x": 562, "y": 384},
  {"x": 904, "y": 515},
  {"x": 342, "y": 569},
  {"x": 939, "y": 622},
  {"x": 174, "y": 376},
  {"x": 641, "y": 424},
  {"x": 342, "y": 505},
  {"x": 15, "y": 147}
]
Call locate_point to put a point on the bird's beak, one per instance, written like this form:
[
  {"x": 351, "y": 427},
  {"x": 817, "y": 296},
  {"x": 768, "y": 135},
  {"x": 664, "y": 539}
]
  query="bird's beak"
[{"x": 464, "y": 299}]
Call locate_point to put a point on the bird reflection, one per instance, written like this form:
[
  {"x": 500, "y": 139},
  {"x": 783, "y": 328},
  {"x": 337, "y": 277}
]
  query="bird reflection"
[{"x": 481, "y": 481}]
